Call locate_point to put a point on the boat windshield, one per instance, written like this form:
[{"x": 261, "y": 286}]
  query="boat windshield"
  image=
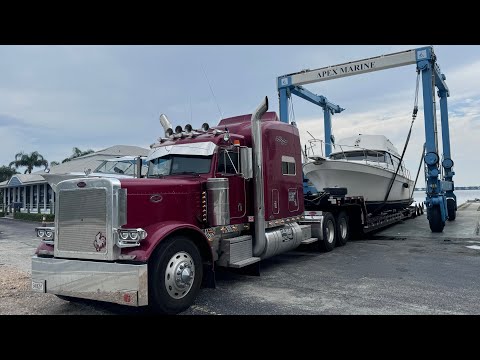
[
  {"x": 179, "y": 164},
  {"x": 362, "y": 155}
]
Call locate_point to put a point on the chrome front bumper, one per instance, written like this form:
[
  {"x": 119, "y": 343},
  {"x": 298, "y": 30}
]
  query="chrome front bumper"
[{"x": 124, "y": 284}]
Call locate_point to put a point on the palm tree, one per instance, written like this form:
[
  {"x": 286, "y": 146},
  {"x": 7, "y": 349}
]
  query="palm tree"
[
  {"x": 6, "y": 173},
  {"x": 77, "y": 153},
  {"x": 29, "y": 161}
]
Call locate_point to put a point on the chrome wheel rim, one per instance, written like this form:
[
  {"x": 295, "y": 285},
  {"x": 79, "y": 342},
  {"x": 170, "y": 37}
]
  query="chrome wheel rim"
[
  {"x": 330, "y": 230},
  {"x": 179, "y": 275},
  {"x": 343, "y": 227}
]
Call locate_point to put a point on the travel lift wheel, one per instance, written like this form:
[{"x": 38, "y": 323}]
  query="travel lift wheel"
[
  {"x": 175, "y": 275},
  {"x": 328, "y": 229},
  {"x": 343, "y": 231},
  {"x": 435, "y": 219},
  {"x": 451, "y": 209}
]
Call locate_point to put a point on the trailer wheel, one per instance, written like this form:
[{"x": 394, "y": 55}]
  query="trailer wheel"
[
  {"x": 175, "y": 275},
  {"x": 452, "y": 214},
  {"x": 435, "y": 219},
  {"x": 328, "y": 230},
  {"x": 343, "y": 231}
]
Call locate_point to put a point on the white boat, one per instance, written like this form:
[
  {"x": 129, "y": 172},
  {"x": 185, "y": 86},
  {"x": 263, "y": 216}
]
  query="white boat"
[{"x": 365, "y": 166}]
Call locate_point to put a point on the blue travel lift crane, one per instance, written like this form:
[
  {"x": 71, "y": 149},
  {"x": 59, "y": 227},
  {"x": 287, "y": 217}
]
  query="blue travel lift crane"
[{"x": 440, "y": 200}]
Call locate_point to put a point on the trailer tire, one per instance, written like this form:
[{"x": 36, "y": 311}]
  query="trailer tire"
[
  {"x": 175, "y": 275},
  {"x": 328, "y": 231},
  {"x": 435, "y": 219},
  {"x": 343, "y": 230},
  {"x": 336, "y": 191},
  {"x": 451, "y": 208}
]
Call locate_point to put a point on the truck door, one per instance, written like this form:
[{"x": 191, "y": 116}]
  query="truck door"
[{"x": 228, "y": 167}]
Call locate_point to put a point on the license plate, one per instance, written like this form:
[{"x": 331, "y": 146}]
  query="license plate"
[{"x": 38, "y": 286}]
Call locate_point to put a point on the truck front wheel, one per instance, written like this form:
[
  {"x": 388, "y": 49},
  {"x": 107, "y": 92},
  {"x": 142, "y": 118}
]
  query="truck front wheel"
[{"x": 175, "y": 275}]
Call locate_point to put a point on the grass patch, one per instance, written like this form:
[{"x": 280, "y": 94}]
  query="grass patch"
[{"x": 34, "y": 217}]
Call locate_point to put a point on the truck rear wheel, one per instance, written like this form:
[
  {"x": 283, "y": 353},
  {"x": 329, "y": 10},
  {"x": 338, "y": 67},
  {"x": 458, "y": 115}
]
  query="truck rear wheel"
[
  {"x": 175, "y": 275},
  {"x": 328, "y": 230},
  {"x": 343, "y": 230}
]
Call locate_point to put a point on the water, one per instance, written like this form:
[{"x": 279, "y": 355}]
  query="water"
[{"x": 462, "y": 195}]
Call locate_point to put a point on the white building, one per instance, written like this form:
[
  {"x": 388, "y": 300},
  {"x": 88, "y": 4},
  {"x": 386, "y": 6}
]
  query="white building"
[{"x": 31, "y": 192}]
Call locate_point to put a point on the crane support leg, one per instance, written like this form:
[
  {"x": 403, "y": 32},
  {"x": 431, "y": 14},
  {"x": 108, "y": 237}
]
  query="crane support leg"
[
  {"x": 435, "y": 200},
  {"x": 447, "y": 162},
  {"x": 327, "y": 119},
  {"x": 283, "y": 94}
]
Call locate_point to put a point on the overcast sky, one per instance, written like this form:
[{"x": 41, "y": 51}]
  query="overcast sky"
[{"x": 53, "y": 98}]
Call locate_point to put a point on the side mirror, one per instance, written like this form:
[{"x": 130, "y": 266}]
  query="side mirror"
[{"x": 246, "y": 162}]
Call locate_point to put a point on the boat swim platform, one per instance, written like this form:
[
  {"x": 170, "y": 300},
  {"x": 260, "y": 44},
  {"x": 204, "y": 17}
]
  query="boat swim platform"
[{"x": 466, "y": 226}]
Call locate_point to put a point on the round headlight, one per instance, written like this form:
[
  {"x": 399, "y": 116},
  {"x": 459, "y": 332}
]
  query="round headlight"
[
  {"x": 123, "y": 235},
  {"x": 48, "y": 233},
  {"x": 133, "y": 235},
  {"x": 40, "y": 233}
]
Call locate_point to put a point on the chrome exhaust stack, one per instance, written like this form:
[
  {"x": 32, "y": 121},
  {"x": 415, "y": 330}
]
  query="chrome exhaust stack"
[
  {"x": 166, "y": 124},
  {"x": 259, "y": 198}
]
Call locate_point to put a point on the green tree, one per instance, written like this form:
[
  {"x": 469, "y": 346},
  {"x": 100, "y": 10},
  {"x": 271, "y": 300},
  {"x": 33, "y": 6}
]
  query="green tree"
[
  {"x": 77, "y": 153},
  {"x": 6, "y": 173},
  {"x": 34, "y": 159},
  {"x": 53, "y": 163}
]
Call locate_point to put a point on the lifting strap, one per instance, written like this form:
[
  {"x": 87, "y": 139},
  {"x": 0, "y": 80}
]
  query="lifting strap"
[
  {"x": 419, "y": 167},
  {"x": 414, "y": 116}
]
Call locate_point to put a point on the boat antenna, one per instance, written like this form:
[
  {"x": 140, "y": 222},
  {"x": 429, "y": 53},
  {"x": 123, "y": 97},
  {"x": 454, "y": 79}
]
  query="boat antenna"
[{"x": 213, "y": 94}]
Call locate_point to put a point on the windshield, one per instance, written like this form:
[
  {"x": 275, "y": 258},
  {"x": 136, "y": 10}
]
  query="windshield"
[
  {"x": 179, "y": 164},
  {"x": 126, "y": 167}
]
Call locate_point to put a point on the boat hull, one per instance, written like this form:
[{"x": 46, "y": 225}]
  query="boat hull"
[{"x": 361, "y": 179}]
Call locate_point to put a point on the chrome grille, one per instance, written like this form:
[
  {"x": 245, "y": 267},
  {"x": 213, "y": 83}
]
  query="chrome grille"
[{"x": 82, "y": 220}]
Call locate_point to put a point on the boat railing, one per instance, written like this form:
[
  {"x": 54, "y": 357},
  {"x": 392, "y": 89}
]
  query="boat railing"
[{"x": 316, "y": 146}]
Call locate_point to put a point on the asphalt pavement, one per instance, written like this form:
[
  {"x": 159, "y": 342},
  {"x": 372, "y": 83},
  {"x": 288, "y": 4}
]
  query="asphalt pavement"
[{"x": 385, "y": 274}]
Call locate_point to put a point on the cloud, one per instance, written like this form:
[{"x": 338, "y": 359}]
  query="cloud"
[{"x": 53, "y": 98}]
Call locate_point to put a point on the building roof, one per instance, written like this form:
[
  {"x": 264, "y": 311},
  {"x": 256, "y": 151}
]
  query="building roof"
[
  {"x": 91, "y": 161},
  {"x": 82, "y": 163}
]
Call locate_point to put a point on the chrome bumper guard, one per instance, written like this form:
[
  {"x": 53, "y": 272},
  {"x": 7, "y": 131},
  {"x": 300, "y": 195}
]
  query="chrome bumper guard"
[{"x": 125, "y": 284}]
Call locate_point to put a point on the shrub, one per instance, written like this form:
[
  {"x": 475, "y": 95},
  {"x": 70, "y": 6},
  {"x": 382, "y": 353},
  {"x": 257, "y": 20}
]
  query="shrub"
[{"x": 34, "y": 217}]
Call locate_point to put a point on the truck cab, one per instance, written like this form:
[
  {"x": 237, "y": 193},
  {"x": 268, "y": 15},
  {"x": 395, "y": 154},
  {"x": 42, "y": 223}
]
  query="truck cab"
[{"x": 230, "y": 196}]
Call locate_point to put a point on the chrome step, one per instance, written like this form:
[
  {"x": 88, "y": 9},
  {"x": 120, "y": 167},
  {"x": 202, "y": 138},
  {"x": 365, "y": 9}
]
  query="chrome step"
[
  {"x": 309, "y": 241},
  {"x": 244, "y": 263}
]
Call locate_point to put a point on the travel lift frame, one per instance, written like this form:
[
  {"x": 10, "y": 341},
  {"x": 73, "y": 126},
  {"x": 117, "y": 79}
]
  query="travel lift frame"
[{"x": 441, "y": 201}]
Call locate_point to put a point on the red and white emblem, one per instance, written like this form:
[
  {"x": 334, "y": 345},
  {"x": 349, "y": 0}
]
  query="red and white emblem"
[{"x": 100, "y": 241}]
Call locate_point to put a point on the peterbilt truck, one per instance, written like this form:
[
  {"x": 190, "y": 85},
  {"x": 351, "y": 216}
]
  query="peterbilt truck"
[{"x": 228, "y": 196}]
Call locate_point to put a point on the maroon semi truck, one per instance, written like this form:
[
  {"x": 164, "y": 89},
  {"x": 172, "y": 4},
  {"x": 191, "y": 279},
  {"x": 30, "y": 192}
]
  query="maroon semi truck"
[{"x": 227, "y": 196}]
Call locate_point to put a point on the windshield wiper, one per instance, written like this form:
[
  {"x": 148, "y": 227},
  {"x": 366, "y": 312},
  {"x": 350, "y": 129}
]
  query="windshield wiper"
[
  {"x": 158, "y": 176},
  {"x": 185, "y": 173}
]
